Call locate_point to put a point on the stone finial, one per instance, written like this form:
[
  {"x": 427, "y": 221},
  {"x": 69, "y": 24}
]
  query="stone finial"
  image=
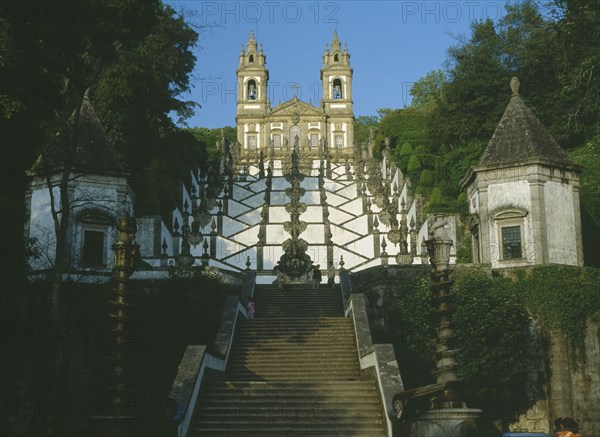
[{"x": 514, "y": 85}]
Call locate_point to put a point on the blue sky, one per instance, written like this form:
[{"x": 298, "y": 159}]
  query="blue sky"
[{"x": 391, "y": 44}]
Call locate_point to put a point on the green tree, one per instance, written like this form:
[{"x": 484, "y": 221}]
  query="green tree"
[
  {"x": 588, "y": 155},
  {"x": 363, "y": 124},
  {"x": 577, "y": 30},
  {"x": 428, "y": 90},
  {"x": 477, "y": 90},
  {"x": 135, "y": 60},
  {"x": 405, "y": 125}
]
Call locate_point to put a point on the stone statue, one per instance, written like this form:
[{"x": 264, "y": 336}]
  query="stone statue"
[
  {"x": 251, "y": 91},
  {"x": 438, "y": 230},
  {"x": 337, "y": 92}
]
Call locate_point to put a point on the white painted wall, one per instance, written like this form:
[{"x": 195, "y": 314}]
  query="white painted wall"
[
  {"x": 505, "y": 196},
  {"x": 560, "y": 222}
]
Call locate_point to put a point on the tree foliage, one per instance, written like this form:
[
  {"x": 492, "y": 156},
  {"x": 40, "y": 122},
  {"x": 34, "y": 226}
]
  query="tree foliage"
[
  {"x": 428, "y": 91},
  {"x": 363, "y": 125},
  {"x": 404, "y": 125},
  {"x": 135, "y": 59},
  {"x": 563, "y": 299},
  {"x": 492, "y": 343}
]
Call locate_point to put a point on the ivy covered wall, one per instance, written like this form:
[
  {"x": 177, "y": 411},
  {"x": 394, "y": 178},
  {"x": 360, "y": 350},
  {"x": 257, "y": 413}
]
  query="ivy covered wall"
[{"x": 528, "y": 338}]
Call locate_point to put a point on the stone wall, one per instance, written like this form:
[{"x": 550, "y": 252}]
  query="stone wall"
[
  {"x": 566, "y": 390},
  {"x": 378, "y": 285}
]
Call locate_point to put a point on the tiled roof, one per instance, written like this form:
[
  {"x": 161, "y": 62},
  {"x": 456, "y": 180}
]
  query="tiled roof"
[
  {"x": 520, "y": 136},
  {"x": 95, "y": 154}
]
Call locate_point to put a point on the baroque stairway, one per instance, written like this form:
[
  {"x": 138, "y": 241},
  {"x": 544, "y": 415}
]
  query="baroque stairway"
[{"x": 293, "y": 372}]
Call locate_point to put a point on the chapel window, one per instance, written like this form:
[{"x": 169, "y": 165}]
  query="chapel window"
[
  {"x": 251, "y": 58},
  {"x": 93, "y": 248},
  {"x": 510, "y": 224},
  {"x": 511, "y": 242}
]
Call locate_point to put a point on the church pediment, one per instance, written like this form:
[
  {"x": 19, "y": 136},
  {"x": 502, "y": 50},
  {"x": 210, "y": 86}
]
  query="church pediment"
[{"x": 295, "y": 106}]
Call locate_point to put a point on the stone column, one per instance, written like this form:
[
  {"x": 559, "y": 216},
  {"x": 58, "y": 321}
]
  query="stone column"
[
  {"x": 484, "y": 226},
  {"x": 538, "y": 221},
  {"x": 447, "y": 415},
  {"x": 577, "y": 215}
]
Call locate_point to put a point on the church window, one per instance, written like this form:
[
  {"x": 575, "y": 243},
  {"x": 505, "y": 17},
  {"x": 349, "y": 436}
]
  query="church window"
[
  {"x": 295, "y": 135},
  {"x": 337, "y": 89},
  {"x": 336, "y": 58},
  {"x": 277, "y": 141},
  {"x": 93, "y": 248},
  {"x": 251, "y": 58},
  {"x": 339, "y": 141},
  {"x": 251, "y": 90},
  {"x": 511, "y": 242},
  {"x": 252, "y": 141},
  {"x": 314, "y": 140}
]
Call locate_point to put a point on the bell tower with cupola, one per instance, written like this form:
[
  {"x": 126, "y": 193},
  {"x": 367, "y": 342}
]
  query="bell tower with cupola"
[
  {"x": 252, "y": 101},
  {"x": 336, "y": 79}
]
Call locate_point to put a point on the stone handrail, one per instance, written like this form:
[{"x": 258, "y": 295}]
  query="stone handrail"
[
  {"x": 198, "y": 358},
  {"x": 379, "y": 359}
]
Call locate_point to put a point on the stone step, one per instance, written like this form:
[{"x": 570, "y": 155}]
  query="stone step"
[
  {"x": 340, "y": 336},
  {"x": 224, "y": 397},
  {"x": 293, "y": 372},
  {"x": 294, "y": 414},
  {"x": 291, "y": 322},
  {"x": 319, "y": 431},
  {"x": 305, "y": 387},
  {"x": 266, "y": 340},
  {"x": 293, "y": 310},
  {"x": 299, "y": 422},
  {"x": 261, "y": 369},
  {"x": 282, "y": 433},
  {"x": 309, "y": 352},
  {"x": 287, "y": 359}
]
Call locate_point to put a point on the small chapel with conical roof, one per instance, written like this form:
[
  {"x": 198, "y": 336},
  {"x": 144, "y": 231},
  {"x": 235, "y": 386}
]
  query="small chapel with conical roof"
[{"x": 524, "y": 195}]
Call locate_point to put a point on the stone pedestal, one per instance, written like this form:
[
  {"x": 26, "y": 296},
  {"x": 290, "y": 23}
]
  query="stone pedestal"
[{"x": 452, "y": 422}]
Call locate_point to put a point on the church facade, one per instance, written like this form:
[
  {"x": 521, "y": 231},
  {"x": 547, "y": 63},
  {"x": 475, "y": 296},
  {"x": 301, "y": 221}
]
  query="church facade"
[{"x": 262, "y": 127}]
